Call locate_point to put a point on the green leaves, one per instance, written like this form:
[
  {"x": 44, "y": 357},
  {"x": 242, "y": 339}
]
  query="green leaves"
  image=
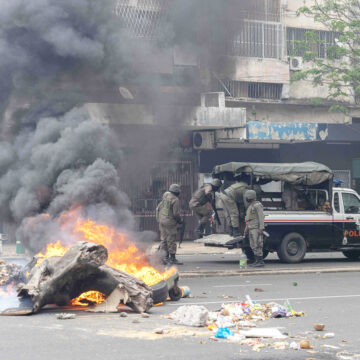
[{"x": 334, "y": 57}]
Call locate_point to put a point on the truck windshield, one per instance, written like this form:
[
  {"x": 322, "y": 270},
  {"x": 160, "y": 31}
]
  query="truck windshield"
[{"x": 351, "y": 203}]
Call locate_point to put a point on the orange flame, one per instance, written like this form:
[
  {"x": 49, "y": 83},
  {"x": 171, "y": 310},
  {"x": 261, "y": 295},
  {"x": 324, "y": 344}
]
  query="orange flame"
[
  {"x": 123, "y": 254},
  {"x": 92, "y": 297}
]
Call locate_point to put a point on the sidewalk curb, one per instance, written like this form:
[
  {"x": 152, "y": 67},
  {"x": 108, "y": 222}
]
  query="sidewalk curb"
[{"x": 252, "y": 272}]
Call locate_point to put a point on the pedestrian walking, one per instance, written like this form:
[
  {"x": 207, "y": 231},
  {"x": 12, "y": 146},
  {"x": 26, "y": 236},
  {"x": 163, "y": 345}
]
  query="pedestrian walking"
[{"x": 255, "y": 226}]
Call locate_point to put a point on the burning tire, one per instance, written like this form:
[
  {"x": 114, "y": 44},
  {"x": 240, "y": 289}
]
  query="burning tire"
[{"x": 160, "y": 292}]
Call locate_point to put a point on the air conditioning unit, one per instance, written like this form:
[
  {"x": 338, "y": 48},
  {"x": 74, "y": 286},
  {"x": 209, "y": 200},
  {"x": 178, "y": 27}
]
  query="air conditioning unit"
[
  {"x": 204, "y": 140},
  {"x": 296, "y": 63}
]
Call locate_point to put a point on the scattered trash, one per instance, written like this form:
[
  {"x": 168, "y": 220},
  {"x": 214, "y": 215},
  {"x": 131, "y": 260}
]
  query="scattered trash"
[
  {"x": 305, "y": 344},
  {"x": 191, "y": 315},
  {"x": 185, "y": 291},
  {"x": 345, "y": 355},
  {"x": 258, "y": 290},
  {"x": 65, "y": 316},
  {"x": 282, "y": 345},
  {"x": 10, "y": 273},
  {"x": 294, "y": 346},
  {"x": 326, "y": 346},
  {"x": 312, "y": 352},
  {"x": 159, "y": 331},
  {"x": 328, "y": 335},
  {"x": 236, "y": 338},
  {"x": 135, "y": 321},
  {"x": 145, "y": 315},
  {"x": 319, "y": 327},
  {"x": 273, "y": 333},
  {"x": 257, "y": 347},
  {"x": 123, "y": 314},
  {"x": 223, "y": 333}
]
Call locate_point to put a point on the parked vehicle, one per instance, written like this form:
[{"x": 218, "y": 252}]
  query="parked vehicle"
[{"x": 303, "y": 211}]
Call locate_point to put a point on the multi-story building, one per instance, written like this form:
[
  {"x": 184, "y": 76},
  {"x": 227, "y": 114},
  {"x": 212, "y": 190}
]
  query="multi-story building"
[{"x": 227, "y": 96}]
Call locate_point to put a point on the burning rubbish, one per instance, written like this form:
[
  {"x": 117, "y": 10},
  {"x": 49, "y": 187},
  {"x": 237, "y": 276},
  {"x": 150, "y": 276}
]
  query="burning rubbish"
[
  {"x": 102, "y": 275},
  {"x": 58, "y": 280},
  {"x": 93, "y": 266}
]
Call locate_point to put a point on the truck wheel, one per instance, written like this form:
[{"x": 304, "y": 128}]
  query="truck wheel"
[
  {"x": 352, "y": 254},
  {"x": 292, "y": 248}
]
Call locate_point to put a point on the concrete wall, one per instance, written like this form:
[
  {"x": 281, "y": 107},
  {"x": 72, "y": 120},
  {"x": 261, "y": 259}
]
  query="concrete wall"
[
  {"x": 282, "y": 112},
  {"x": 190, "y": 117},
  {"x": 289, "y": 17},
  {"x": 253, "y": 70}
]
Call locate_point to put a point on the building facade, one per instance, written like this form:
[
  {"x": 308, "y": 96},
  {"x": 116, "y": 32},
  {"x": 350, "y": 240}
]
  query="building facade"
[{"x": 226, "y": 95}]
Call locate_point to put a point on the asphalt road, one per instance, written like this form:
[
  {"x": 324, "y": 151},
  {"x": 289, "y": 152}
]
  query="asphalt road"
[
  {"x": 214, "y": 264},
  {"x": 332, "y": 299}
]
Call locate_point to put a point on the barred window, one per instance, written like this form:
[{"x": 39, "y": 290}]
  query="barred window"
[
  {"x": 256, "y": 39},
  {"x": 324, "y": 39},
  {"x": 254, "y": 90},
  {"x": 142, "y": 18}
]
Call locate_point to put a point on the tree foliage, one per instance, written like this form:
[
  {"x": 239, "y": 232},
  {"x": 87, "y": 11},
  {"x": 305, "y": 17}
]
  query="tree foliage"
[{"x": 340, "y": 67}]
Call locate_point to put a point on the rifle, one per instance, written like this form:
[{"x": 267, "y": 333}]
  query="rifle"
[
  {"x": 215, "y": 211},
  {"x": 181, "y": 229}
]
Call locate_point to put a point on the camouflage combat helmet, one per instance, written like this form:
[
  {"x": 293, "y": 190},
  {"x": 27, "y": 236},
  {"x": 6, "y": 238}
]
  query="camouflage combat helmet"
[
  {"x": 175, "y": 188},
  {"x": 250, "y": 195},
  {"x": 216, "y": 182}
]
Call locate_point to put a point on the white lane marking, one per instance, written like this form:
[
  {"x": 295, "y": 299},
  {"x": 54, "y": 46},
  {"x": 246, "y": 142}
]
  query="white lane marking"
[
  {"x": 274, "y": 299},
  {"x": 225, "y": 286}
]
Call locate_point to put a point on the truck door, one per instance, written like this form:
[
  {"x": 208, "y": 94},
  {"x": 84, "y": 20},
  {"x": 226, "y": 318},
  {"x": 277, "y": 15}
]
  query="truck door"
[
  {"x": 338, "y": 220},
  {"x": 351, "y": 208}
]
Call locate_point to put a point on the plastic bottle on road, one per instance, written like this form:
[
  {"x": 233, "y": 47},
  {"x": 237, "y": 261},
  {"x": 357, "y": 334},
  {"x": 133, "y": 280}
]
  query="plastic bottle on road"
[{"x": 242, "y": 260}]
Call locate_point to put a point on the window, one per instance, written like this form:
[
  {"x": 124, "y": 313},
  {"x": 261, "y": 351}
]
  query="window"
[
  {"x": 243, "y": 89},
  {"x": 142, "y": 18},
  {"x": 351, "y": 203},
  {"x": 336, "y": 202},
  {"x": 325, "y": 39},
  {"x": 255, "y": 39}
]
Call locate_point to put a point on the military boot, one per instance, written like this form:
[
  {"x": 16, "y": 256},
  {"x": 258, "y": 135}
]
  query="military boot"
[
  {"x": 207, "y": 228},
  {"x": 236, "y": 232},
  {"x": 200, "y": 231},
  {"x": 166, "y": 259},
  {"x": 231, "y": 230},
  {"x": 174, "y": 260},
  {"x": 259, "y": 262}
]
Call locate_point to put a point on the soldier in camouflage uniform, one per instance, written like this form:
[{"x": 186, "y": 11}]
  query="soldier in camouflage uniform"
[
  {"x": 233, "y": 199},
  {"x": 255, "y": 226},
  {"x": 168, "y": 216},
  {"x": 200, "y": 204}
]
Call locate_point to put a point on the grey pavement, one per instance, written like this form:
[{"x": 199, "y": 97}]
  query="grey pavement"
[{"x": 332, "y": 299}]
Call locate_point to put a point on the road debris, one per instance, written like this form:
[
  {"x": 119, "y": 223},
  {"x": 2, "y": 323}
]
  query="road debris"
[
  {"x": 258, "y": 290},
  {"x": 281, "y": 345},
  {"x": 10, "y": 273},
  {"x": 191, "y": 315},
  {"x": 65, "y": 316},
  {"x": 305, "y": 344},
  {"x": 273, "y": 333},
  {"x": 328, "y": 336},
  {"x": 319, "y": 327}
]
